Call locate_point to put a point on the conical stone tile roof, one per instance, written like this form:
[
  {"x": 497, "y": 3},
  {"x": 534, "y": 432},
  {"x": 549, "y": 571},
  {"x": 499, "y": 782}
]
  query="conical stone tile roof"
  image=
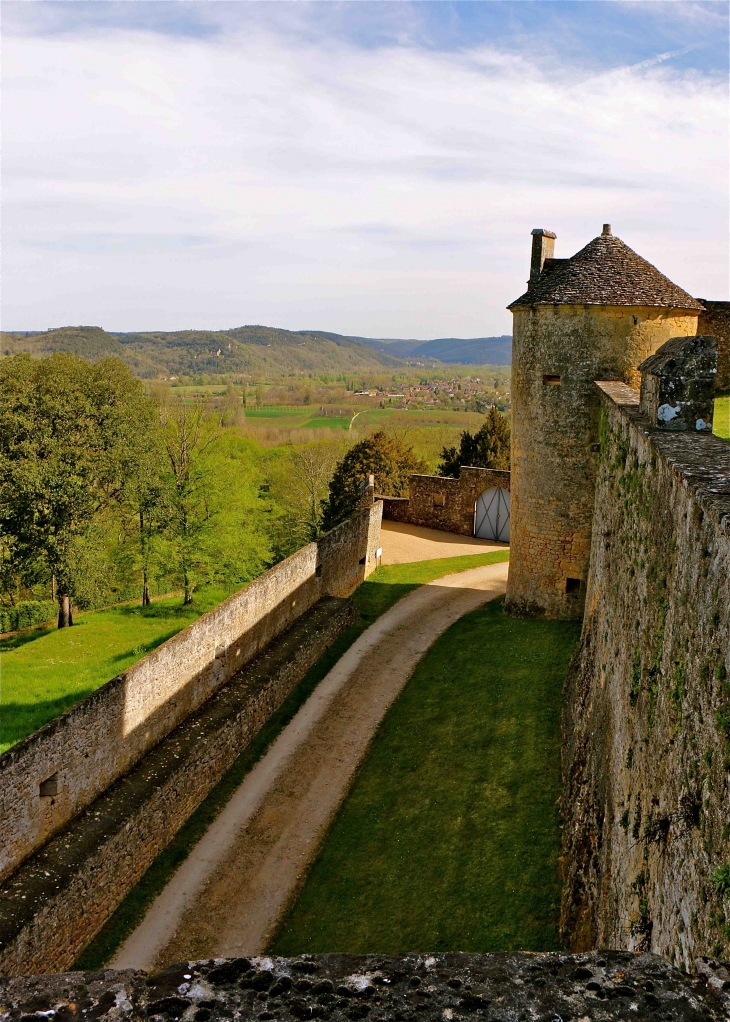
[{"x": 605, "y": 272}]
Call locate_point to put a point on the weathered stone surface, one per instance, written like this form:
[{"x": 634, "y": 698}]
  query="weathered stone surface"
[
  {"x": 594, "y": 316},
  {"x": 678, "y": 384},
  {"x": 59, "y": 898},
  {"x": 440, "y": 502},
  {"x": 715, "y": 321},
  {"x": 605, "y": 272},
  {"x": 602, "y": 986},
  {"x": 647, "y": 702},
  {"x": 558, "y": 353}
]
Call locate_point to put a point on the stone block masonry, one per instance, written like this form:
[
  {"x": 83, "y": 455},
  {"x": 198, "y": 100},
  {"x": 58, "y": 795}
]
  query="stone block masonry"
[
  {"x": 60, "y": 897},
  {"x": 647, "y": 704},
  {"x": 50, "y": 777},
  {"x": 440, "y": 502},
  {"x": 715, "y": 321},
  {"x": 599, "y": 987},
  {"x": 558, "y": 352}
]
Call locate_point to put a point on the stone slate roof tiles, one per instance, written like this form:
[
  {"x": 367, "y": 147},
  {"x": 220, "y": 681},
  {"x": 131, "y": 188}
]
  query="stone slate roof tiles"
[{"x": 605, "y": 272}]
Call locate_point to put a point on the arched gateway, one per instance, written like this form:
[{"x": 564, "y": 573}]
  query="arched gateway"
[{"x": 491, "y": 515}]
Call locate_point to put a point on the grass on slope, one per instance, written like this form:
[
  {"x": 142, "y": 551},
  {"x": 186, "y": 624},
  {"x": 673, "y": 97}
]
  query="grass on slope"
[
  {"x": 44, "y": 677},
  {"x": 721, "y": 423},
  {"x": 379, "y": 592},
  {"x": 449, "y": 839}
]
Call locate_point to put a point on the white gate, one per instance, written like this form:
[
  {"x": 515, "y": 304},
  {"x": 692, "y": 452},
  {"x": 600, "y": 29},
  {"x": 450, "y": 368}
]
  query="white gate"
[{"x": 491, "y": 515}]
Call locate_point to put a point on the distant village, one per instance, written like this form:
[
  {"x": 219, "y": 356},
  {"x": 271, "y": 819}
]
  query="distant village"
[{"x": 471, "y": 394}]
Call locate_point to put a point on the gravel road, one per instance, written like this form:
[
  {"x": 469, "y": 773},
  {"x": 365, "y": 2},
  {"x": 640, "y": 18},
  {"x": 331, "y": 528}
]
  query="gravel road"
[{"x": 229, "y": 896}]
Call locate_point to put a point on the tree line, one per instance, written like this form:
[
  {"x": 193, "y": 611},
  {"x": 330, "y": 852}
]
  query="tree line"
[
  {"x": 108, "y": 491},
  {"x": 88, "y": 462}
]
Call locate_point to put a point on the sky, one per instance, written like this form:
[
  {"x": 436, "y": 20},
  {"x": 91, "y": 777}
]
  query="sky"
[{"x": 371, "y": 168}]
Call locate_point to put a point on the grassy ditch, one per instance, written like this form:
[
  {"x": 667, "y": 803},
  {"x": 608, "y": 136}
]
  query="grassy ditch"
[
  {"x": 376, "y": 595},
  {"x": 44, "y": 672},
  {"x": 449, "y": 838}
]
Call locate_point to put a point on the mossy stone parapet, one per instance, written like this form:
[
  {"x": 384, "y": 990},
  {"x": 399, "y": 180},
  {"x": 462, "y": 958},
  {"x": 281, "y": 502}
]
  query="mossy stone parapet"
[
  {"x": 558, "y": 351},
  {"x": 646, "y": 711}
]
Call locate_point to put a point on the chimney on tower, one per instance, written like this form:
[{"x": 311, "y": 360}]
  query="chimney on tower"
[{"x": 543, "y": 246}]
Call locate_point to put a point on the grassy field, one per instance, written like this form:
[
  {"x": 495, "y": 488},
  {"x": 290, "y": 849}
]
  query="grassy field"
[
  {"x": 721, "y": 425},
  {"x": 381, "y": 590},
  {"x": 44, "y": 672},
  {"x": 449, "y": 839}
]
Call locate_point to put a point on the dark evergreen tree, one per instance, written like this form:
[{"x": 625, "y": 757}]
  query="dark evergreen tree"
[
  {"x": 489, "y": 447},
  {"x": 382, "y": 455}
]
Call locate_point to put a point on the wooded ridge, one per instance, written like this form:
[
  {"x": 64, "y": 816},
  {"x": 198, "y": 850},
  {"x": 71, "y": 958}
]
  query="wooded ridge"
[{"x": 250, "y": 349}]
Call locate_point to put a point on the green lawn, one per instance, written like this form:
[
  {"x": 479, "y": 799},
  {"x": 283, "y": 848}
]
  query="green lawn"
[
  {"x": 381, "y": 590},
  {"x": 43, "y": 677},
  {"x": 276, "y": 411},
  {"x": 449, "y": 839},
  {"x": 327, "y": 422},
  {"x": 721, "y": 423}
]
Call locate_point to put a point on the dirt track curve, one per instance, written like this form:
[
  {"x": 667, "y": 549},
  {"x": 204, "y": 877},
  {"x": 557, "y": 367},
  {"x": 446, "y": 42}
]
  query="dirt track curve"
[{"x": 230, "y": 894}]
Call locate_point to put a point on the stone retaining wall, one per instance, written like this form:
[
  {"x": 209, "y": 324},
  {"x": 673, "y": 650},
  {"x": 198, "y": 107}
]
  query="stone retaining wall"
[
  {"x": 440, "y": 502},
  {"x": 647, "y": 705},
  {"x": 56, "y": 902},
  {"x": 55, "y": 773}
]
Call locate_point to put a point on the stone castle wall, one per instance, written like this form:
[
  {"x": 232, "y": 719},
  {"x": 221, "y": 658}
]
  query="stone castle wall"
[
  {"x": 440, "y": 502},
  {"x": 715, "y": 322},
  {"x": 647, "y": 702},
  {"x": 52, "y": 775},
  {"x": 60, "y": 897},
  {"x": 558, "y": 352}
]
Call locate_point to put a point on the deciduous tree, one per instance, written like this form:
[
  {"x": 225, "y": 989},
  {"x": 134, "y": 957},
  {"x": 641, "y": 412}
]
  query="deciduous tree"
[
  {"x": 188, "y": 436},
  {"x": 70, "y": 433}
]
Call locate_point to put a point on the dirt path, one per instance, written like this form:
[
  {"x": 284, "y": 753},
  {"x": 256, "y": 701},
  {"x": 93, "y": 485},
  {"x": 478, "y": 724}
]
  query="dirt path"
[
  {"x": 404, "y": 543},
  {"x": 230, "y": 894}
]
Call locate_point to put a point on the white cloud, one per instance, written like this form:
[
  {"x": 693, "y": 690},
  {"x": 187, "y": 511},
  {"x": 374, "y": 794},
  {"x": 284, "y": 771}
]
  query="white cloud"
[{"x": 157, "y": 182}]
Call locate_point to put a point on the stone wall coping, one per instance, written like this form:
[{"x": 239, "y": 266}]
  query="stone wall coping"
[
  {"x": 701, "y": 460},
  {"x": 602, "y": 985}
]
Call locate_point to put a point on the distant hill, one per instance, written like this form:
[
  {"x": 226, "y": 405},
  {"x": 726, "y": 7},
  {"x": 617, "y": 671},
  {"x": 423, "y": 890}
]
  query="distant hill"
[
  {"x": 248, "y": 349},
  {"x": 470, "y": 350},
  {"x": 91, "y": 342},
  {"x": 253, "y": 349}
]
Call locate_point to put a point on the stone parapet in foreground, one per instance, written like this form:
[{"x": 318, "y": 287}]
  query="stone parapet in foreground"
[{"x": 604, "y": 986}]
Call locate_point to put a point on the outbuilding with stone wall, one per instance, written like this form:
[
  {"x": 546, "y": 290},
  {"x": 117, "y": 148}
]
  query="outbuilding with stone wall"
[{"x": 445, "y": 503}]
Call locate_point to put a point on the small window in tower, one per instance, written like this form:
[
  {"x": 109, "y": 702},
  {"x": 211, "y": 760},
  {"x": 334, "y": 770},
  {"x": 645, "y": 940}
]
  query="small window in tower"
[
  {"x": 439, "y": 500},
  {"x": 572, "y": 585},
  {"x": 551, "y": 381}
]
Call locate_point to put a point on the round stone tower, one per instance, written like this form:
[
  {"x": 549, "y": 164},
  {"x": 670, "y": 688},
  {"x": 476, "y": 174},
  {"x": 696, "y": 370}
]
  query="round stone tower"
[{"x": 594, "y": 316}]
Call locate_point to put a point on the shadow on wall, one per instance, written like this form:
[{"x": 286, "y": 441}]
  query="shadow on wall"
[{"x": 53, "y": 774}]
